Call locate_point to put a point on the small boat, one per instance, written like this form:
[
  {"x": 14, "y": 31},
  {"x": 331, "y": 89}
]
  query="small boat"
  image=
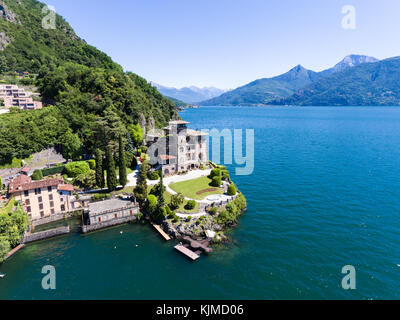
[{"x": 2, "y": 275}]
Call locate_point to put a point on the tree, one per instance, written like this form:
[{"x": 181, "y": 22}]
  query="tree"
[
  {"x": 5, "y": 247},
  {"x": 123, "y": 180},
  {"x": 1, "y": 184},
  {"x": 86, "y": 180},
  {"x": 3, "y": 64},
  {"x": 161, "y": 188},
  {"x": 141, "y": 185},
  {"x": 111, "y": 175},
  {"x": 72, "y": 145},
  {"x": 99, "y": 169},
  {"x": 37, "y": 175},
  {"x": 136, "y": 134},
  {"x": 176, "y": 201}
]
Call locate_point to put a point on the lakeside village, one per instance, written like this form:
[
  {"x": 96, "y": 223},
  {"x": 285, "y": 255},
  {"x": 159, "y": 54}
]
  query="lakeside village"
[{"x": 183, "y": 195}]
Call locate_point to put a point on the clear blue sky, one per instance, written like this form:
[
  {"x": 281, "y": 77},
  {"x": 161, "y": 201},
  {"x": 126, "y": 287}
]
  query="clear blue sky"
[{"x": 228, "y": 43}]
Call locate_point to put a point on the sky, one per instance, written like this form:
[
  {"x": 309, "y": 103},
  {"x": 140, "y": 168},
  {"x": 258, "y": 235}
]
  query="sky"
[{"x": 228, "y": 43}]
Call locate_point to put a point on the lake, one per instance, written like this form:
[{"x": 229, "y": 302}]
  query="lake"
[{"x": 324, "y": 193}]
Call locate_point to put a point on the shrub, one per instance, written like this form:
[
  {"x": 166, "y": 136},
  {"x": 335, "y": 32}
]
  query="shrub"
[
  {"x": 215, "y": 173},
  {"x": 154, "y": 175},
  {"x": 213, "y": 211},
  {"x": 168, "y": 210},
  {"x": 92, "y": 164},
  {"x": 231, "y": 190},
  {"x": 74, "y": 169},
  {"x": 189, "y": 218},
  {"x": 37, "y": 175},
  {"x": 190, "y": 205},
  {"x": 216, "y": 182}
]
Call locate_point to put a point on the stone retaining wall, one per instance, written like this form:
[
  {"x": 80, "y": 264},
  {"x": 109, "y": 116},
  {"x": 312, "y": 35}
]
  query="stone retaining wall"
[
  {"x": 52, "y": 218},
  {"x": 31, "y": 237},
  {"x": 102, "y": 225}
]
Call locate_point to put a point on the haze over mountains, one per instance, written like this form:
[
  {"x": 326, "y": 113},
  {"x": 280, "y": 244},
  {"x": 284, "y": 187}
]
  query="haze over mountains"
[
  {"x": 190, "y": 94},
  {"x": 356, "y": 80}
]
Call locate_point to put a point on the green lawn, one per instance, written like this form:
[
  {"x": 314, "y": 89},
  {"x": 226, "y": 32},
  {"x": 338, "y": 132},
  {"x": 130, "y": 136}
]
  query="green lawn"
[{"x": 190, "y": 188}]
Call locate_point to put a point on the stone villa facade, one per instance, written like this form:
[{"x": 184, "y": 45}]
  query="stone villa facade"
[
  {"x": 13, "y": 96},
  {"x": 179, "y": 149},
  {"x": 44, "y": 198}
]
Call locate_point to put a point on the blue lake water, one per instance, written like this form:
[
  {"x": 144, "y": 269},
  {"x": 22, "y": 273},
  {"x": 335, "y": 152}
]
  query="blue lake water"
[{"x": 325, "y": 193}]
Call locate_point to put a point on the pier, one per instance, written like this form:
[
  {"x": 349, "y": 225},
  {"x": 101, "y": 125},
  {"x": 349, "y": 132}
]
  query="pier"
[
  {"x": 161, "y": 231},
  {"x": 187, "y": 252}
]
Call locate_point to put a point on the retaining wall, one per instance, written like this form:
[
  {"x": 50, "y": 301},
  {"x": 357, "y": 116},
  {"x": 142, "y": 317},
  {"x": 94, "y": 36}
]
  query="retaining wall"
[
  {"x": 110, "y": 223},
  {"x": 31, "y": 237}
]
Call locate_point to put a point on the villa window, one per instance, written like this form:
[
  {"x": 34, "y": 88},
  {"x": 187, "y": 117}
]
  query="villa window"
[
  {"x": 40, "y": 199},
  {"x": 27, "y": 202},
  {"x": 26, "y": 193},
  {"x": 41, "y": 206},
  {"x": 51, "y": 204},
  {"x": 28, "y": 209},
  {"x": 41, "y": 214},
  {"x": 50, "y": 197},
  {"x": 52, "y": 211},
  {"x": 38, "y": 191},
  {"x": 62, "y": 207}
]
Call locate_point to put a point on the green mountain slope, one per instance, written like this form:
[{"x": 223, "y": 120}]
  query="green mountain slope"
[
  {"x": 267, "y": 91},
  {"x": 91, "y": 96},
  {"x": 371, "y": 84},
  {"x": 29, "y": 45},
  {"x": 263, "y": 91}
]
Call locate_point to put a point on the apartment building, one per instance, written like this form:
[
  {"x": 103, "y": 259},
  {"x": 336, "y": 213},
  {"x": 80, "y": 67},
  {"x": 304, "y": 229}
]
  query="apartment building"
[{"x": 13, "y": 96}]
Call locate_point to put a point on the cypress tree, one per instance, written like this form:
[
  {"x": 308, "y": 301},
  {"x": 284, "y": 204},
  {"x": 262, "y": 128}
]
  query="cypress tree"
[
  {"x": 111, "y": 176},
  {"x": 161, "y": 199},
  {"x": 141, "y": 186},
  {"x": 123, "y": 180},
  {"x": 100, "y": 182}
]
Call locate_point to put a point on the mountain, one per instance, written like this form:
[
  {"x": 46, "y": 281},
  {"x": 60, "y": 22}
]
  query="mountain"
[
  {"x": 368, "y": 84},
  {"x": 90, "y": 101},
  {"x": 265, "y": 91},
  {"x": 190, "y": 94}
]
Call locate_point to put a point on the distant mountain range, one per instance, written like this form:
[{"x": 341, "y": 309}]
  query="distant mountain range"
[
  {"x": 356, "y": 80},
  {"x": 190, "y": 94}
]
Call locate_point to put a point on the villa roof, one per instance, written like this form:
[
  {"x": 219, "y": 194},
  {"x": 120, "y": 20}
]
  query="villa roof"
[
  {"x": 176, "y": 122},
  {"x": 191, "y": 132},
  {"x": 23, "y": 184}
]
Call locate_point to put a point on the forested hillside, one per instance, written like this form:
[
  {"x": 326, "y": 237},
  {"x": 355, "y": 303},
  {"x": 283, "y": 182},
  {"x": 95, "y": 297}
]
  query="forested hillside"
[{"x": 91, "y": 99}]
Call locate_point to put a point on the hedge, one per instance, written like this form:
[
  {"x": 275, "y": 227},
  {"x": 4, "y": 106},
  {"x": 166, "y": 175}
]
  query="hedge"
[{"x": 53, "y": 171}]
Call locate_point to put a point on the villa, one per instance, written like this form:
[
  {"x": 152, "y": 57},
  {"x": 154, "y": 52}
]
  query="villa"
[
  {"x": 13, "y": 96},
  {"x": 179, "y": 149},
  {"x": 44, "y": 198}
]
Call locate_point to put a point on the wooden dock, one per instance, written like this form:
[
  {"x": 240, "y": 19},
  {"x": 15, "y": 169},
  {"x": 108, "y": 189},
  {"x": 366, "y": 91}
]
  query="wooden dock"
[
  {"x": 187, "y": 252},
  {"x": 161, "y": 231}
]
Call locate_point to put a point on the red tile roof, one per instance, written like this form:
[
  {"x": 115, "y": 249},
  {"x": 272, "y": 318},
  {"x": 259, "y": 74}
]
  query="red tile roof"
[
  {"x": 22, "y": 184},
  {"x": 65, "y": 187}
]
